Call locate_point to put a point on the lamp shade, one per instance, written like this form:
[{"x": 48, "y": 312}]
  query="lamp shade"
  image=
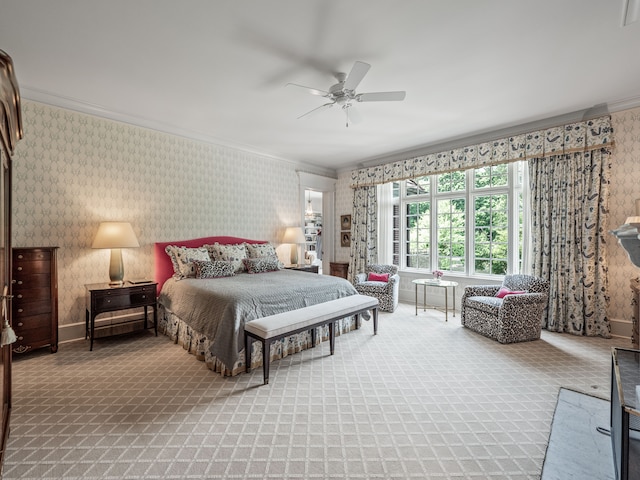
[
  {"x": 293, "y": 235},
  {"x": 115, "y": 235}
]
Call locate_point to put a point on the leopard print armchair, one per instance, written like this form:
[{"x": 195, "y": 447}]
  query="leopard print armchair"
[
  {"x": 387, "y": 293},
  {"x": 513, "y": 318}
]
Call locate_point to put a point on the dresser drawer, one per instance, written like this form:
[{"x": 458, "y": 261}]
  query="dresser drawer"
[
  {"x": 24, "y": 267},
  {"x": 26, "y": 295},
  {"x": 26, "y": 281},
  {"x": 29, "y": 326},
  {"x": 31, "y": 255},
  {"x": 23, "y": 308}
]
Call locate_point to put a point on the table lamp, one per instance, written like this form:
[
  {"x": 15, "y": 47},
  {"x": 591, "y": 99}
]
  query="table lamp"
[
  {"x": 115, "y": 235},
  {"x": 294, "y": 236}
]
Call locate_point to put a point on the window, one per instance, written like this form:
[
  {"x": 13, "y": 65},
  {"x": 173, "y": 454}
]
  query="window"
[{"x": 463, "y": 222}]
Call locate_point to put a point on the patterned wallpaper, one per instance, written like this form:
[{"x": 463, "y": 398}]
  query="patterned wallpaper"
[
  {"x": 72, "y": 171},
  {"x": 625, "y": 188}
]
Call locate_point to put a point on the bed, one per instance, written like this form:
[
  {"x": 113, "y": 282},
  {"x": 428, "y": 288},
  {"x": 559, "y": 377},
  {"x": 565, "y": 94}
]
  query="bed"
[{"x": 207, "y": 315}]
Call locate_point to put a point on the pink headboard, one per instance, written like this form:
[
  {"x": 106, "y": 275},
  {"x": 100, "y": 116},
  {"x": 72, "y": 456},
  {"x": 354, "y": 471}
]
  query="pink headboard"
[{"x": 164, "y": 268}]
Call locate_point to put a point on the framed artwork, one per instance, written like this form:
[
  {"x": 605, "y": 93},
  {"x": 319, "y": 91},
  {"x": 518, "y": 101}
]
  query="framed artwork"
[
  {"x": 345, "y": 239},
  {"x": 345, "y": 222}
]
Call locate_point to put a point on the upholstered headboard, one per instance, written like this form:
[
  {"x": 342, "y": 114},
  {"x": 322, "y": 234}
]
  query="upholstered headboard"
[{"x": 163, "y": 267}]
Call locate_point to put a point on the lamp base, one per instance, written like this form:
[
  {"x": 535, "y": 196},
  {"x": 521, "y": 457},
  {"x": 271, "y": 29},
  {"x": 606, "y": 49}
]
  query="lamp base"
[
  {"x": 117, "y": 283},
  {"x": 116, "y": 268},
  {"x": 294, "y": 254}
]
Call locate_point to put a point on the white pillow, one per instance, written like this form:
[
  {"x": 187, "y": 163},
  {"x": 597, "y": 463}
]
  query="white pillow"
[
  {"x": 182, "y": 259},
  {"x": 228, "y": 253}
]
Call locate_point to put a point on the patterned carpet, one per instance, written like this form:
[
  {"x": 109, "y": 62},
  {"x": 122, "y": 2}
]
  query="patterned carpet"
[{"x": 423, "y": 399}]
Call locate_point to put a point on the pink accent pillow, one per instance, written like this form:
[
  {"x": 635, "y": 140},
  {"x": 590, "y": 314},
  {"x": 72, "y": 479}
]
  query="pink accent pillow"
[
  {"x": 377, "y": 277},
  {"x": 505, "y": 291}
]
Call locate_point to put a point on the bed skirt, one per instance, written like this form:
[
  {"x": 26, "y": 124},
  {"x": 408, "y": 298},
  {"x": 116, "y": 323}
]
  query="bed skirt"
[{"x": 198, "y": 345}]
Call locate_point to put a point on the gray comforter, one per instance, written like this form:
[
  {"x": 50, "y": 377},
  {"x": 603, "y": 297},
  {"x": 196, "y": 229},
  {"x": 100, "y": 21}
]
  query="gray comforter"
[{"x": 219, "y": 307}]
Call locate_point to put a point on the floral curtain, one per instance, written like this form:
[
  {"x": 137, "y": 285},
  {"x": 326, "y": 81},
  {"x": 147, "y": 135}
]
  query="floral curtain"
[
  {"x": 363, "y": 230},
  {"x": 564, "y": 139},
  {"x": 570, "y": 196}
]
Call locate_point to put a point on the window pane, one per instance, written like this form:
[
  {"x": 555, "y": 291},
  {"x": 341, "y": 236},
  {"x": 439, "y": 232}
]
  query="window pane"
[
  {"x": 418, "y": 235},
  {"x": 451, "y": 234},
  {"x": 494, "y": 176},
  {"x": 451, "y": 182},
  {"x": 417, "y": 186},
  {"x": 491, "y": 234}
]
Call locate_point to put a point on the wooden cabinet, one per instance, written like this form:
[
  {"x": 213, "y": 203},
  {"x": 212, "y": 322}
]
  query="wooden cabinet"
[
  {"x": 5, "y": 287},
  {"x": 35, "y": 299},
  {"x": 11, "y": 132},
  {"x": 338, "y": 269}
]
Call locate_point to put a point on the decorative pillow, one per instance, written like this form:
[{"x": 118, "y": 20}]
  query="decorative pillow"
[
  {"x": 228, "y": 253},
  {"x": 378, "y": 277},
  {"x": 255, "y": 250},
  {"x": 213, "y": 269},
  {"x": 505, "y": 291},
  {"x": 182, "y": 259},
  {"x": 261, "y": 264}
]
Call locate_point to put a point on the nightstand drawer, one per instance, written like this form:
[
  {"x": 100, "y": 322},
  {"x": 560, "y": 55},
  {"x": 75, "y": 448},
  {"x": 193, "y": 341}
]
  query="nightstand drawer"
[{"x": 119, "y": 301}]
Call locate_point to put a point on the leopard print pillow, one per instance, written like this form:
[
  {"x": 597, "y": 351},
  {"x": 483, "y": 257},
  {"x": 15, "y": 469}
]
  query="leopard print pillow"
[
  {"x": 215, "y": 269},
  {"x": 261, "y": 264}
]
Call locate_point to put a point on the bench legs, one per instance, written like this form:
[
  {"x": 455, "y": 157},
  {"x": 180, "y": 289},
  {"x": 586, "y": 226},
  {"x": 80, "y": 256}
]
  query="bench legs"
[{"x": 266, "y": 343}]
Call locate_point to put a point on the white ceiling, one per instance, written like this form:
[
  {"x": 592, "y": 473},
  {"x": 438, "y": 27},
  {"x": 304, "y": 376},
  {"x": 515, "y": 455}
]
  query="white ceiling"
[{"x": 216, "y": 70}]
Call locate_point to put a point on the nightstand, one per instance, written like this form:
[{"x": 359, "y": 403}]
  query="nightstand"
[
  {"x": 303, "y": 268},
  {"x": 103, "y": 298}
]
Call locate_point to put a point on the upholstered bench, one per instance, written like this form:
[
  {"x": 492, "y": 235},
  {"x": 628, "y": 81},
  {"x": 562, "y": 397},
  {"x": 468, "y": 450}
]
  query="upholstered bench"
[{"x": 274, "y": 327}]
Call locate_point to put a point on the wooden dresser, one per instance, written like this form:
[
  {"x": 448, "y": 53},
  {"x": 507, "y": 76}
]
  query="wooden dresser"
[
  {"x": 338, "y": 269},
  {"x": 35, "y": 298}
]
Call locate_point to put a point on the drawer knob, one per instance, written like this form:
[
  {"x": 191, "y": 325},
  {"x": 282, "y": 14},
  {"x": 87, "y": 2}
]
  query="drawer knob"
[
  {"x": 19, "y": 269},
  {"x": 19, "y": 282},
  {"x": 20, "y": 324},
  {"x": 144, "y": 296},
  {"x": 20, "y": 256},
  {"x": 20, "y": 338},
  {"x": 19, "y": 295},
  {"x": 20, "y": 310}
]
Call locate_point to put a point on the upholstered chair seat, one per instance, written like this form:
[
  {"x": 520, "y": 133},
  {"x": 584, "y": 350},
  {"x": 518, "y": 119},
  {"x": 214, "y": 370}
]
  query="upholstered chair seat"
[
  {"x": 516, "y": 317},
  {"x": 387, "y": 292}
]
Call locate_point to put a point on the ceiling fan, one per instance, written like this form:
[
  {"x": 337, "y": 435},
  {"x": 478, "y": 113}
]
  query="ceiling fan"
[{"x": 344, "y": 93}]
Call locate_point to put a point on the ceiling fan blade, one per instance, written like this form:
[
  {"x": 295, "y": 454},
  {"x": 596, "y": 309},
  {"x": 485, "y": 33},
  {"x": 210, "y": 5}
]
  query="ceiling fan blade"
[
  {"x": 381, "y": 96},
  {"x": 312, "y": 91},
  {"x": 317, "y": 110},
  {"x": 357, "y": 73}
]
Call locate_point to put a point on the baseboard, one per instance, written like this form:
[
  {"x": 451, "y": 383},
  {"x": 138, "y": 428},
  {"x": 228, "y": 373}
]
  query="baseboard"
[{"x": 621, "y": 328}]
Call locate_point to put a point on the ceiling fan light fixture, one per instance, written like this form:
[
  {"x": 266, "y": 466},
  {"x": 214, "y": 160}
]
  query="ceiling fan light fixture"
[{"x": 344, "y": 93}]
